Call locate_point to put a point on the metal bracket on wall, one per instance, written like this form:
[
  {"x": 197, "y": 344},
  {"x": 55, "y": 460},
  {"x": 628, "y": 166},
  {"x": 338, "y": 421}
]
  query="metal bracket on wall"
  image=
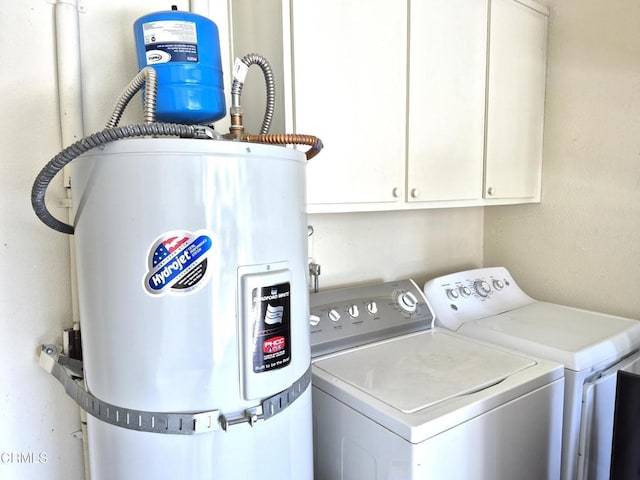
[{"x": 69, "y": 372}]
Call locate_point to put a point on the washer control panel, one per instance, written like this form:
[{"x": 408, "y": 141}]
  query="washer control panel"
[
  {"x": 465, "y": 296},
  {"x": 350, "y": 317}
]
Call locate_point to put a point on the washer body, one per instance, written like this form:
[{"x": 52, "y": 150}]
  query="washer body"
[{"x": 399, "y": 399}]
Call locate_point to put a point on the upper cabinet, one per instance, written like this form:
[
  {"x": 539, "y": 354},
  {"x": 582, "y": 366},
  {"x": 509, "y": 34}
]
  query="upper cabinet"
[
  {"x": 446, "y": 102},
  {"x": 515, "y": 100},
  {"x": 349, "y": 71},
  {"x": 425, "y": 103}
]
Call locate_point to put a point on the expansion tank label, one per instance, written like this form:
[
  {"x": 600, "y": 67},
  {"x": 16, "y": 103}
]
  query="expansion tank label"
[
  {"x": 177, "y": 262},
  {"x": 170, "y": 41},
  {"x": 272, "y": 328}
]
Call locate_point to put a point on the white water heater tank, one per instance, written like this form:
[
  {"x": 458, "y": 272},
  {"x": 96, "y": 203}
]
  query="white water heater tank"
[{"x": 192, "y": 285}]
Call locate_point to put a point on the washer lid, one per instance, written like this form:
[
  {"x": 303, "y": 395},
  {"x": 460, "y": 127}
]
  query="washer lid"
[
  {"x": 577, "y": 338},
  {"x": 416, "y": 372}
]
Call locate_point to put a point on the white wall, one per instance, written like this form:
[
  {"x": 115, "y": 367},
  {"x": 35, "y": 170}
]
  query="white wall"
[
  {"x": 581, "y": 245},
  {"x": 381, "y": 246},
  {"x": 35, "y": 417}
]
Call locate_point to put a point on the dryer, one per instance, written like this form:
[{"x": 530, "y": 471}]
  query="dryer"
[
  {"x": 488, "y": 304},
  {"x": 396, "y": 398}
]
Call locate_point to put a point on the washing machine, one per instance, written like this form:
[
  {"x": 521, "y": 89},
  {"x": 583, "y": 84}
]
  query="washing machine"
[
  {"x": 487, "y": 304},
  {"x": 396, "y": 398}
]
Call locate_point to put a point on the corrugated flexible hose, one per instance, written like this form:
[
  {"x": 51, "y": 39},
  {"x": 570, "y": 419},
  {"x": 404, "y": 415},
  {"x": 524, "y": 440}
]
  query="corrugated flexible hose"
[
  {"x": 58, "y": 162},
  {"x": 290, "y": 139},
  {"x": 146, "y": 76},
  {"x": 112, "y": 132},
  {"x": 237, "y": 84},
  {"x": 264, "y": 136}
]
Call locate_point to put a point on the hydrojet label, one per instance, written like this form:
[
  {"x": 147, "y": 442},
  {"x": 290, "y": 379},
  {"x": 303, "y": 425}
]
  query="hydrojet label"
[{"x": 178, "y": 262}]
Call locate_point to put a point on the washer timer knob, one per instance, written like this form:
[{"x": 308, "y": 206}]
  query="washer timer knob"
[
  {"x": 408, "y": 302},
  {"x": 482, "y": 288}
]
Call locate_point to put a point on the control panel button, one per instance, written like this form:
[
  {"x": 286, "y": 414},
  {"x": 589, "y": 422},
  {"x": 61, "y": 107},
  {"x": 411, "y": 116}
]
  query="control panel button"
[
  {"x": 354, "y": 311},
  {"x": 482, "y": 288},
  {"x": 334, "y": 316},
  {"x": 408, "y": 302},
  {"x": 314, "y": 320},
  {"x": 452, "y": 293},
  {"x": 372, "y": 308},
  {"x": 464, "y": 291},
  {"x": 498, "y": 284}
]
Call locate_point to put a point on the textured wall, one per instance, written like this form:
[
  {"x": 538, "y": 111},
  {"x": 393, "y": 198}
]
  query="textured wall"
[
  {"x": 381, "y": 246},
  {"x": 581, "y": 245},
  {"x": 37, "y": 420}
]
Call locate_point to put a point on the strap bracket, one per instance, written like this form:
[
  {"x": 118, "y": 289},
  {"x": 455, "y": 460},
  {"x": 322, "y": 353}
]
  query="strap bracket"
[{"x": 69, "y": 373}]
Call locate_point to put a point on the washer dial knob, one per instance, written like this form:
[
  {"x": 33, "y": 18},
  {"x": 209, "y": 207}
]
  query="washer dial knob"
[
  {"x": 498, "y": 284},
  {"x": 334, "y": 316},
  {"x": 465, "y": 291},
  {"x": 452, "y": 293},
  {"x": 314, "y": 320},
  {"x": 482, "y": 288},
  {"x": 372, "y": 307},
  {"x": 408, "y": 302},
  {"x": 354, "y": 311}
]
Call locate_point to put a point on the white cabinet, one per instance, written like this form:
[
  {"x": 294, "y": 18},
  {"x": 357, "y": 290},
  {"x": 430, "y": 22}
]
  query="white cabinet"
[
  {"x": 447, "y": 71},
  {"x": 423, "y": 103},
  {"x": 476, "y": 101},
  {"x": 340, "y": 70},
  {"x": 515, "y": 100},
  {"x": 349, "y": 70}
]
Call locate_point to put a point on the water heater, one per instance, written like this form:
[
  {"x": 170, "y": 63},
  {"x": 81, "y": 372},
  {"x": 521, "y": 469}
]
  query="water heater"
[{"x": 191, "y": 261}]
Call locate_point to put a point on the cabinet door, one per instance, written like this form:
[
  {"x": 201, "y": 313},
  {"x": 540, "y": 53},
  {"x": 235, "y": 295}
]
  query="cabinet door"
[
  {"x": 515, "y": 101},
  {"x": 447, "y": 72},
  {"x": 349, "y": 69}
]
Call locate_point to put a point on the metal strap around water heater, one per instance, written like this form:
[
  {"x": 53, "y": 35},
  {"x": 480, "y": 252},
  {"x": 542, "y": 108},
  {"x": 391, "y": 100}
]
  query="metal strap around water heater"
[{"x": 159, "y": 422}]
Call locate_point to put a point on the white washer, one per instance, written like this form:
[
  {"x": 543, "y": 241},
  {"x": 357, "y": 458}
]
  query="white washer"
[
  {"x": 394, "y": 398},
  {"x": 488, "y": 304}
]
